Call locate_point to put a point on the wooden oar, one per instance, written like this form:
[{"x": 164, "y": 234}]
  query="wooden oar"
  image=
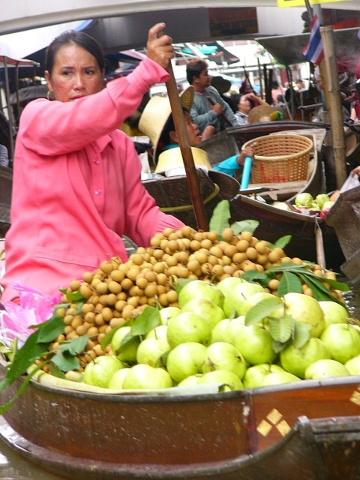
[{"x": 184, "y": 144}]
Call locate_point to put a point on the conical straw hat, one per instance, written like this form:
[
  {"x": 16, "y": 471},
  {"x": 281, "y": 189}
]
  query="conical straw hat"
[
  {"x": 261, "y": 113},
  {"x": 157, "y": 112}
]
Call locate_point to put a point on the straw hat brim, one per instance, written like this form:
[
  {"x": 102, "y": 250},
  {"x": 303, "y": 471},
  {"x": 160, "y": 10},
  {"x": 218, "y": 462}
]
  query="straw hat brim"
[
  {"x": 157, "y": 112},
  {"x": 172, "y": 158},
  {"x": 261, "y": 113}
]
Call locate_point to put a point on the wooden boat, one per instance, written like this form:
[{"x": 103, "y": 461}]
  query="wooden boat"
[
  {"x": 308, "y": 430},
  {"x": 172, "y": 194}
]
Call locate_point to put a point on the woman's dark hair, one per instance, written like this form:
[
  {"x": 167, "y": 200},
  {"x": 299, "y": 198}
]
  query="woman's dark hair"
[
  {"x": 194, "y": 69},
  {"x": 165, "y": 139},
  {"x": 79, "y": 38}
]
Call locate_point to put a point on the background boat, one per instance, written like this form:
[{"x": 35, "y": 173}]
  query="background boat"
[{"x": 172, "y": 195}]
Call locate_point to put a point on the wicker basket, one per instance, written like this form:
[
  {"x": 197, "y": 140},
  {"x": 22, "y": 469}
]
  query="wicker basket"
[{"x": 280, "y": 158}]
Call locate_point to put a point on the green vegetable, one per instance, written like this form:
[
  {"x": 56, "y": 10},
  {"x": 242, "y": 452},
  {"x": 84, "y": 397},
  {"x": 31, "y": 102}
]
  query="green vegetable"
[
  {"x": 304, "y": 200},
  {"x": 321, "y": 199}
]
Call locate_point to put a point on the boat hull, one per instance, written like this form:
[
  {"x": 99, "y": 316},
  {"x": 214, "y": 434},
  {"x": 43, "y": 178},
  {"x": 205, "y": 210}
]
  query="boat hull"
[{"x": 310, "y": 428}]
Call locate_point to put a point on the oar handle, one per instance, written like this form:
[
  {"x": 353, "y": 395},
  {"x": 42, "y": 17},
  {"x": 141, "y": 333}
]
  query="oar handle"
[
  {"x": 222, "y": 114},
  {"x": 184, "y": 144},
  {"x": 246, "y": 173}
]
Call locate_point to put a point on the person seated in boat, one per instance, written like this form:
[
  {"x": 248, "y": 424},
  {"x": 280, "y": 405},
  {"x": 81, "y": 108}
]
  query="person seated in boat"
[
  {"x": 76, "y": 186},
  {"x": 245, "y": 103},
  {"x": 158, "y": 124},
  {"x": 208, "y": 107}
]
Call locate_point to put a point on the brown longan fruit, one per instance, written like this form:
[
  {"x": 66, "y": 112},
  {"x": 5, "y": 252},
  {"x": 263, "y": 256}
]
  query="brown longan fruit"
[
  {"x": 106, "y": 266},
  {"x": 119, "y": 305},
  {"x": 216, "y": 251},
  {"x": 74, "y": 285},
  {"x": 213, "y": 236},
  {"x": 228, "y": 234},
  {"x": 274, "y": 256},
  {"x": 193, "y": 266},
  {"x": 89, "y": 317},
  {"x": 163, "y": 300},
  {"x": 172, "y": 296},
  {"x": 251, "y": 253},
  {"x": 262, "y": 247},
  {"x": 246, "y": 236},
  {"x": 242, "y": 245},
  {"x": 230, "y": 250},
  {"x": 297, "y": 261},
  {"x": 60, "y": 312},
  {"x": 87, "y": 277},
  {"x": 155, "y": 241},
  {"x": 162, "y": 279},
  {"x": 126, "y": 284},
  {"x": 151, "y": 290},
  {"x": 102, "y": 288},
  {"x": 195, "y": 245}
]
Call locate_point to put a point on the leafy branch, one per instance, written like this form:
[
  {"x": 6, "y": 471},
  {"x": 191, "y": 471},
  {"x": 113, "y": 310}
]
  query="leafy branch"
[
  {"x": 36, "y": 349},
  {"x": 292, "y": 278}
]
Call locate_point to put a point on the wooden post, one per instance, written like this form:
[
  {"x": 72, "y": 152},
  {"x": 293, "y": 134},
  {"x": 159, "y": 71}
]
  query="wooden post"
[
  {"x": 185, "y": 147},
  {"x": 331, "y": 87}
]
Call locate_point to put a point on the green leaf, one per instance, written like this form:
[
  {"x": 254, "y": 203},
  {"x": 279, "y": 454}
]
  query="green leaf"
[
  {"x": 278, "y": 346},
  {"x": 73, "y": 296},
  {"x": 55, "y": 371},
  {"x": 77, "y": 345},
  {"x": 65, "y": 361},
  {"x": 180, "y": 283},
  {"x": 220, "y": 217},
  {"x": 289, "y": 283},
  {"x": 254, "y": 275},
  {"x": 282, "y": 242},
  {"x": 148, "y": 319},
  {"x": 262, "y": 310},
  {"x": 108, "y": 337},
  {"x": 333, "y": 283},
  {"x": 128, "y": 340},
  {"x": 245, "y": 226},
  {"x": 319, "y": 290},
  {"x": 51, "y": 329},
  {"x": 301, "y": 334},
  {"x": 281, "y": 329},
  {"x": 30, "y": 351}
]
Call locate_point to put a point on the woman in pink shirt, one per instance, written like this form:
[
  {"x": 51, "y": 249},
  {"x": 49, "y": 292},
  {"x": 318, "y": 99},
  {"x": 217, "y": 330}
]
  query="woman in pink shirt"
[{"x": 77, "y": 186}]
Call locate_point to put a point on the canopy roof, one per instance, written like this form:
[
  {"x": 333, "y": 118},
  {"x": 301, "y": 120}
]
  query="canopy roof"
[
  {"x": 347, "y": 44},
  {"x": 22, "y": 14}
]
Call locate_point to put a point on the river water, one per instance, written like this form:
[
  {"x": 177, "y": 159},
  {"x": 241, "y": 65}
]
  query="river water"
[{"x": 14, "y": 467}]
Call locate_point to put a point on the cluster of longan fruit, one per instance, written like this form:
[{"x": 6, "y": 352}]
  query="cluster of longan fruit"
[{"x": 117, "y": 292}]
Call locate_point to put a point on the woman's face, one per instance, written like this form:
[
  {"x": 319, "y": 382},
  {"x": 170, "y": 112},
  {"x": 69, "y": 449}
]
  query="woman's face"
[
  {"x": 192, "y": 129},
  {"x": 75, "y": 74},
  {"x": 244, "y": 105}
]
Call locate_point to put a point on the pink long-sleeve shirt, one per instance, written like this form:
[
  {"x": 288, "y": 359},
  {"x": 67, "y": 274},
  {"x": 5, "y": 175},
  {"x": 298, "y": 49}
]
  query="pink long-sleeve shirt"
[{"x": 77, "y": 188}]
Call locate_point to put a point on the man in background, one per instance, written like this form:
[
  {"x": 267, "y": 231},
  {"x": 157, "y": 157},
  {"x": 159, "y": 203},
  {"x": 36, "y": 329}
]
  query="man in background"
[{"x": 208, "y": 107}]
